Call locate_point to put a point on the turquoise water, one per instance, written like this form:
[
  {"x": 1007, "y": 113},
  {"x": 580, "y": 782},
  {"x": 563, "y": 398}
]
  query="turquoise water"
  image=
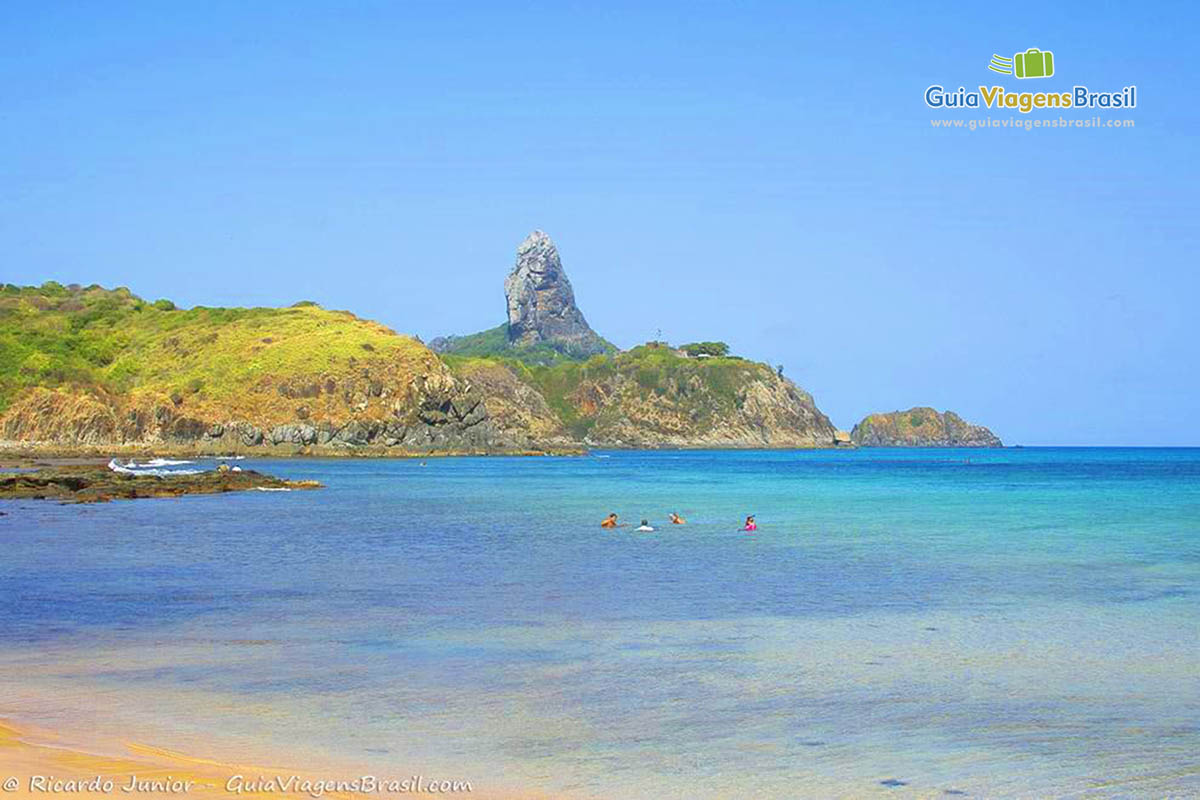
[{"x": 905, "y": 623}]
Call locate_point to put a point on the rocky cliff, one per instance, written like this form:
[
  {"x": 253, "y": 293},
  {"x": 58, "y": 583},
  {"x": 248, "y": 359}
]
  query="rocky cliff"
[
  {"x": 548, "y": 379},
  {"x": 921, "y": 427},
  {"x": 650, "y": 396},
  {"x": 91, "y": 367},
  {"x": 544, "y": 324},
  {"x": 698, "y": 404},
  {"x": 104, "y": 369},
  {"x": 97, "y": 367},
  {"x": 541, "y": 302},
  {"x": 515, "y": 406}
]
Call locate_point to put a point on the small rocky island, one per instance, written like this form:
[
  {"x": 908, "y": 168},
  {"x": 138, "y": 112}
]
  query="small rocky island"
[
  {"x": 92, "y": 483},
  {"x": 921, "y": 427}
]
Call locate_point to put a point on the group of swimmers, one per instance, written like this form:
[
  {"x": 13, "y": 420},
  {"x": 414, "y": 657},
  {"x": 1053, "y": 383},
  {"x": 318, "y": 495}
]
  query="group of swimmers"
[{"x": 611, "y": 522}]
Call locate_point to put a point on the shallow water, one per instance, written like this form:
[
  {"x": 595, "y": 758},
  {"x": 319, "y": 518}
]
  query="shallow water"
[{"x": 905, "y": 623}]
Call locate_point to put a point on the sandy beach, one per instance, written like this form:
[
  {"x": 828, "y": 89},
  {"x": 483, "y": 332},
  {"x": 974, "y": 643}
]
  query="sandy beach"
[{"x": 38, "y": 763}]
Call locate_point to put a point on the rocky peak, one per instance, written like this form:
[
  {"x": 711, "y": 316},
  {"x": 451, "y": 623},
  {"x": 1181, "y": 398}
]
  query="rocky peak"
[{"x": 541, "y": 302}]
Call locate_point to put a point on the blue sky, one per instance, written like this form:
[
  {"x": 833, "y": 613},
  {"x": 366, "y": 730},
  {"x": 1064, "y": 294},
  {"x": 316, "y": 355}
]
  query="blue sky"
[{"x": 762, "y": 173}]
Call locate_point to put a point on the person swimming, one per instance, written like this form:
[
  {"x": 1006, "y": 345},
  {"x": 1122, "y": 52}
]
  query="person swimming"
[
  {"x": 645, "y": 527},
  {"x": 609, "y": 522},
  {"x": 676, "y": 519},
  {"x": 751, "y": 525}
]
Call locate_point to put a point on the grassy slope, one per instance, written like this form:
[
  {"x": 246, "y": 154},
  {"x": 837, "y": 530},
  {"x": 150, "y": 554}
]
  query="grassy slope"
[
  {"x": 915, "y": 423},
  {"x": 111, "y": 341},
  {"x": 265, "y": 364},
  {"x": 646, "y": 371},
  {"x": 493, "y": 343}
]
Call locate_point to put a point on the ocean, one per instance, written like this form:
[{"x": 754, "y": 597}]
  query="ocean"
[{"x": 904, "y": 623}]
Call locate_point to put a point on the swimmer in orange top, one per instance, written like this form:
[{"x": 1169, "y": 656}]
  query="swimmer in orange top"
[
  {"x": 676, "y": 519},
  {"x": 609, "y": 522}
]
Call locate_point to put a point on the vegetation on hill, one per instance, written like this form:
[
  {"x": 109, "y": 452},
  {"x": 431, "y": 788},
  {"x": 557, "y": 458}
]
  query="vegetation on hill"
[
  {"x": 697, "y": 349},
  {"x": 921, "y": 427},
  {"x": 546, "y": 375},
  {"x": 113, "y": 342},
  {"x": 94, "y": 368},
  {"x": 494, "y": 343},
  {"x": 653, "y": 392},
  {"x": 97, "y": 367}
]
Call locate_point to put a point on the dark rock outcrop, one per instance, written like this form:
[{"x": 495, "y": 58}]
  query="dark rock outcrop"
[
  {"x": 433, "y": 412},
  {"x": 93, "y": 484},
  {"x": 517, "y": 408},
  {"x": 921, "y": 427},
  {"x": 541, "y": 302}
]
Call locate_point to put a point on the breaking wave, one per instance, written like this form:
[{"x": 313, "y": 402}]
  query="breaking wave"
[{"x": 155, "y": 466}]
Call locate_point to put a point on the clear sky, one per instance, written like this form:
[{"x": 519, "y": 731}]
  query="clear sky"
[{"x": 762, "y": 173}]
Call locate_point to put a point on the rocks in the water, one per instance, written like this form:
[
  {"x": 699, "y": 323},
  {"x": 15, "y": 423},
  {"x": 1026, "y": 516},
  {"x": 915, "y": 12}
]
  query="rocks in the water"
[
  {"x": 921, "y": 427},
  {"x": 541, "y": 302},
  {"x": 97, "y": 484}
]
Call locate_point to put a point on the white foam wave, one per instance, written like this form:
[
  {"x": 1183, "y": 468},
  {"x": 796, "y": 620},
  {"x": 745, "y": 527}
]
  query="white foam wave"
[{"x": 132, "y": 468}]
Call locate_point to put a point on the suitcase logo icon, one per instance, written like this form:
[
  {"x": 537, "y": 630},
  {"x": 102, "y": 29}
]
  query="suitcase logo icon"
[{"x": 1033, "y": 63}]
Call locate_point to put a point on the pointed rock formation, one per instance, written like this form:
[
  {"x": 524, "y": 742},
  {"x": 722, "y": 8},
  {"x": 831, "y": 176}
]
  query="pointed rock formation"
[{"x": 541, "y": 303}]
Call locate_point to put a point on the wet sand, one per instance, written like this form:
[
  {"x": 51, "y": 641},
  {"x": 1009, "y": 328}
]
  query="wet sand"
[{"x": 37, "y": 763}]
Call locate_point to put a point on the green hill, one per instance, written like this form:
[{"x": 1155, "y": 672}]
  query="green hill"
[
  {"x": 97, "y": 365},
  {"x": 94, "y": 367},
  {"x": 494, "y": 343},
  {"x": 657, "y": 396},
  {"x": 547, "y": 376}
]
